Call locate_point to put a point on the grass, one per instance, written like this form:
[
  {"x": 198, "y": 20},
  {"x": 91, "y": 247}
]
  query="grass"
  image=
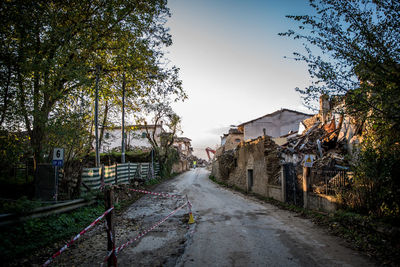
[
  {"x": 24, "y": 238},
  {"x": 364, "y": 233}
]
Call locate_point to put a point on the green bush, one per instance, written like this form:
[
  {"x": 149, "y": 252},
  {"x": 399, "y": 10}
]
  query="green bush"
[{"x": 375, "y": 189}]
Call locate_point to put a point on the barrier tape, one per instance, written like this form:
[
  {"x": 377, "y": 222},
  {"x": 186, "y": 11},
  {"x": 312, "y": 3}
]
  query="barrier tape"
[
  {"x": 117, "y": 250},
  {"x": 76, "y": 237},
  {"x": 156, "y": 194}
]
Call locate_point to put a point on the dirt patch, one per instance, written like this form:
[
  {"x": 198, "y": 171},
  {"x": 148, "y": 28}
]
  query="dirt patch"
[{"x": 160, "y": 247}]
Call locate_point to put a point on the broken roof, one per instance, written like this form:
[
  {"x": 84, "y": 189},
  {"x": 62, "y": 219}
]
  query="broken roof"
[
  {"x": 273, "y": 114},
  {"x": 235, "y": 131}
]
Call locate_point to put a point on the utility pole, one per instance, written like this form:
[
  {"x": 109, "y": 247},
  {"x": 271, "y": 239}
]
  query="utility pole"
[
  {"x": 96, "y": 115},
  {"x": 123, "y": 121}
]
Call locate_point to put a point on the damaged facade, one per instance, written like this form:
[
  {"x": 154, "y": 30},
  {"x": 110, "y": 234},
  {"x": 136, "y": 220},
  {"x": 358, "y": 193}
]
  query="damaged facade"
[
  {"x": 253, "y": 166},
  {"x": 271, "y": 165},
  {"x": 184, "y": 148},
  {"x": 232, "y": 139},
  {"x": 276, "y": 124}
]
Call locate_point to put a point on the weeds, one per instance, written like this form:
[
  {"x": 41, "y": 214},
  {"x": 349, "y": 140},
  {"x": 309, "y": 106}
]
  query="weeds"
[{"x": 33, "y": 234}]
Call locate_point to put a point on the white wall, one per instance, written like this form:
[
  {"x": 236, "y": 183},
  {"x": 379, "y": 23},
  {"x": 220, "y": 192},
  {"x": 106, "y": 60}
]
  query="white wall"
[
  {"x": 133, "y": 139},
  {"x": 276, "y": 125}
]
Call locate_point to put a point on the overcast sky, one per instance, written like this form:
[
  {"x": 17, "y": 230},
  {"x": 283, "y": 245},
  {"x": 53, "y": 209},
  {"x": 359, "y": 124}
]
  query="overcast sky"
[{"x": 232, "y": 63}]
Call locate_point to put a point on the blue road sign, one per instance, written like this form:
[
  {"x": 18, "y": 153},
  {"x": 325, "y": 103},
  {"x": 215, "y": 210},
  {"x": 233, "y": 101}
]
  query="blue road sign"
[{"x": 58, "y": 163}]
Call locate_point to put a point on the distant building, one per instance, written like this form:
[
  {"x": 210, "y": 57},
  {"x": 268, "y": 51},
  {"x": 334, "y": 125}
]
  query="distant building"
[
  {"x": 276, "y": 124},
  {"x": 135, "y": 137},
  {"x": 183, "y": 144}
]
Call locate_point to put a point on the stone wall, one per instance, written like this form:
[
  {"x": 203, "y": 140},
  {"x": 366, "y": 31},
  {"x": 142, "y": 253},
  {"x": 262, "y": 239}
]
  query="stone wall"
[
  {"x": 261, "y": 157},
  {"x": 250, "y": 159},
  {"x": 233, "y": 140},
  {"x": 181, "y": 166}
]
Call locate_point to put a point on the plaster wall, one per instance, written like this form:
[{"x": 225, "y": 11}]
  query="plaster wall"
[
  {"x": 321, "y": 202},
  {"x": 181, "y": 166},
  {"x": 275, "y": 192},
  {"x": 112, "y": 139},
  {"x": 275, "y": 125}
]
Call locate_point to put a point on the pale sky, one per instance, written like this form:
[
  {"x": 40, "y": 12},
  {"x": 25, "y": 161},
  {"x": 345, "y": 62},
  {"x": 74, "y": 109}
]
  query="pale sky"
[{"x": 232, "y": 63}]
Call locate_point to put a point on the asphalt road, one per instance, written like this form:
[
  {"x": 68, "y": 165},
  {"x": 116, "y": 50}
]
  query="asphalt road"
[
  {"x": 230, "y": 230},
  {"x": 235, "y": 230}
]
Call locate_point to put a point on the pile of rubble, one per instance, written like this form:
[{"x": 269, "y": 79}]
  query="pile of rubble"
[{"x": 327, "y": 136}]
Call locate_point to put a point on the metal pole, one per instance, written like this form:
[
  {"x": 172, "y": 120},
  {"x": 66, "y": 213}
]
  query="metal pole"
[
  {"x": 152, "y": 163},
  {"x": 96, "y": 115},
  {"x": 123, "y": 121},
  {"x": 56, "y": 183}
]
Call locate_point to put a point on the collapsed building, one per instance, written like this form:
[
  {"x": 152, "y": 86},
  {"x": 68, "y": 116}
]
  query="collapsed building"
[
  {"x": 184, "y": 148},
  {"x": 272, "y": 165},
  {"x": 232, "y": 139}
]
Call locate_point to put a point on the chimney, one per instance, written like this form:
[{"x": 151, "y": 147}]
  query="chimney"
[{"x": 324, "y": 107}]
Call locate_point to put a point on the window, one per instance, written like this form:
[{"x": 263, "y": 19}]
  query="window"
[
  {"x": 107, "y": 135},
  {"x": 237, "y": 140},
  {"x": 144, "y": 135}
]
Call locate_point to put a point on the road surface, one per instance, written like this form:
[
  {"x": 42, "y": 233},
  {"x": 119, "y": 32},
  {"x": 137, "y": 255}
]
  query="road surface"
[
  {"x": 233, "y": 230},
  {"x": 230, "y": 230}
]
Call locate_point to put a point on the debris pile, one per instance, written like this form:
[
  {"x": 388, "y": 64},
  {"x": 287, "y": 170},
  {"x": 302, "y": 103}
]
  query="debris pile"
[
  {"x": 272, "y": 160},
  {"x": 226, "y": 162},
  {"x": 320, "y": 140},
  {"x": 329, "y": 135}
]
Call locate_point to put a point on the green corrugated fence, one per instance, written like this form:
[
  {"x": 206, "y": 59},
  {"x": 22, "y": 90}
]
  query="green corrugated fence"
[
  {"x": 119, "y": 174},
  {"x": 91, "y": 177},
  {"x": 110, "y": 173},
  {"x": 124, "y": 172},
  {"x": 144, "y": 171}
]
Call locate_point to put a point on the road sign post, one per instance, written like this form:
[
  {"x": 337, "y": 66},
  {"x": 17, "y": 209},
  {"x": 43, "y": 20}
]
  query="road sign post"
[
  {"x": 58, "y": 161},
  {"x": 308, "y": 163}
]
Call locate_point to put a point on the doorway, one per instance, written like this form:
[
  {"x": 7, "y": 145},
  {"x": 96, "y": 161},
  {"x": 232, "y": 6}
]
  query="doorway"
[{"x": 249, "y": 180}]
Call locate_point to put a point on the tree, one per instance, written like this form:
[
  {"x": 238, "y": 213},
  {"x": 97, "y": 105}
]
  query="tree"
[
  {"x": 353, "y": 49},
  {"x": 163, "y": 148},
  {"x": 49, "y": 52},
  {"x": 157, "y": 106},
  {"x": 356, "y": 49}
]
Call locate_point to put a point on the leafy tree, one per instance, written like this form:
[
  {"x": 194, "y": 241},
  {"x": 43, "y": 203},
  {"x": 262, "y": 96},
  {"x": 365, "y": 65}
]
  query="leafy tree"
[
  {"x": 50, "y": 52},
  {"x": 157, "y": 106},
  {"x": 352, "y": 49}
]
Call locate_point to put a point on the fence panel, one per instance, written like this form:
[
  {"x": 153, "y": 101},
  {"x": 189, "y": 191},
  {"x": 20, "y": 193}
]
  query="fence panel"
[
  {"x": 144, "y": 170},
  {"x": 329, "y": 181},
  {"x": 109, "y": 174},
  {"x": 92, "y": 178},
  {"x": 124, "y": 171},
  {"x": 157, "y": 169},
  {"x": 133, "y": 170}
]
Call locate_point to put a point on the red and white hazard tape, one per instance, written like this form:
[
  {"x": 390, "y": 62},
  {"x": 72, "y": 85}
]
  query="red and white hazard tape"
[
  {"x": 156, "y": 194},
  {"x": 117, "y": 250},
  {"x": 77, "y": 236}
]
